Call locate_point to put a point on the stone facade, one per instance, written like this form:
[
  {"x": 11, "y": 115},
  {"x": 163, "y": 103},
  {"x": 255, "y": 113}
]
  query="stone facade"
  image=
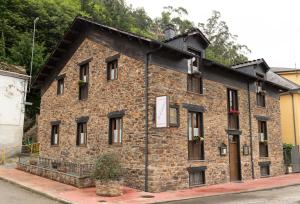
[{"x": 168, "y": 149}]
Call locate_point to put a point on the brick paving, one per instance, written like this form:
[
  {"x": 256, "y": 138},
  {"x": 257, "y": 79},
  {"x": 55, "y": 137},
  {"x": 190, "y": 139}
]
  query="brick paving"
[{"x": 70, "y": 194}]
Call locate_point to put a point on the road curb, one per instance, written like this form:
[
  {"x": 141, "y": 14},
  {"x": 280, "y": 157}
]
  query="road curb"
[
  {"x": 230, "y": 193},
  {"x": 36, "y": 191}
]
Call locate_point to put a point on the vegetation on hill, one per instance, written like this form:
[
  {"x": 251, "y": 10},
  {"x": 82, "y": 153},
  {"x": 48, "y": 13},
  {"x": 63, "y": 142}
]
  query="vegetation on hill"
[{"x": 16, "y": 27}]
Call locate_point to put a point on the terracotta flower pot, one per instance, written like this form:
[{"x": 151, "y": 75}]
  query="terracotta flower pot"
[{"x": 108, "y": 188}]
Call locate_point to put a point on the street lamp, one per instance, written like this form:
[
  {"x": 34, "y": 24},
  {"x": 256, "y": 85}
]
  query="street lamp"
[{"x": 32, "y": 50}]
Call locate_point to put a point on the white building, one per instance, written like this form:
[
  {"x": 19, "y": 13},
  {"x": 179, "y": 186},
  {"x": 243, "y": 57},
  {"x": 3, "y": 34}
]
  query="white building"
[{"x": 13, "y": 86}]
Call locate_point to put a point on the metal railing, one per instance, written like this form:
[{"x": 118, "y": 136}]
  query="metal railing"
[{"x": 76, "y": 169}]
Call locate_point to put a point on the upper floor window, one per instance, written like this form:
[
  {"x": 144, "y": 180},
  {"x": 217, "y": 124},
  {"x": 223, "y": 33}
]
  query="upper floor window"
[
  {"x": 260, "y": 91},
  {"x": 112, "y": 69},
  {"x": 54, "y": 134},
  {"x": 195, "y": 136},
  {"x": 263, "y": 139},
  {"x": 83, "y": 81},
  {"x": 115, "y": 130},
  {"x": 194, "y": 79},
  {"x": 60, "y": 86},
  {"x": 81, "y": 134},
  {"x": 174, "y": 116},
  {"x": 233, "y": 109}
]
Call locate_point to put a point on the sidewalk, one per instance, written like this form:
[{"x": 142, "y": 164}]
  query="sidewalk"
[{"x": 70, "y": 194}]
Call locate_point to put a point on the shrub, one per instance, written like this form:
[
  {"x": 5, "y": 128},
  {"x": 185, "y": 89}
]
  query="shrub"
[
  {"x": 287, "y": 150},
  {"x": 107, "y": 167}
]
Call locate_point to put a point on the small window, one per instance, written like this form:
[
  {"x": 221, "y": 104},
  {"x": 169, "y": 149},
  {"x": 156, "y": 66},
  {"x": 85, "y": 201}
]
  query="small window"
[
  {"x": 116, "y": 131},
  {"x": 260, "y": 94},
  {"x": 81, "y": 134},
  {"x": 264, "y": 170},
  {"x": 112, "y": 70},
  {"x": 54, "y": 134},
  {"x": 233, "y": 109},
  {"x": 83, "y": 81},
  {"x": 195, "y": 136},
  {"x": 60, "y": 86},
  {"x": 174, "y": 116},
  {"x": 197, "y": 178},
  {"x": 195, "y": 84},
  {"x": 263, "y": 139}
]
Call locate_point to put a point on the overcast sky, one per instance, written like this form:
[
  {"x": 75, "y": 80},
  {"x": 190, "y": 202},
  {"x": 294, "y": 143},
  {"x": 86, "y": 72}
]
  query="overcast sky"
[{"x": 270, "y": 28}]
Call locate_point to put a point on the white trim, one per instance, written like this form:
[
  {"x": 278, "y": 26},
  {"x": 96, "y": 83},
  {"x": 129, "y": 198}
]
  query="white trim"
[{"x": 14, "y": 74}]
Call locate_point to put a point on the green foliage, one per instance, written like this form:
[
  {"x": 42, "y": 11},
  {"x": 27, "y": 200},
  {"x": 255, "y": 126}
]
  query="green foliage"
[
  {"x": 16, "y": 27},
  {"x": 223, "y": 48},
  {"x": 287, "y": 153},
  {"x": 107, "y": 167}
]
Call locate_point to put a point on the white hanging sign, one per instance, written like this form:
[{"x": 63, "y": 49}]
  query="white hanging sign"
[{"x": 162, "y": 107}]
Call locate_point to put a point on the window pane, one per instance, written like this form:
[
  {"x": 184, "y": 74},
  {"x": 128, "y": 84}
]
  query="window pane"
[{"x": 173, "y": 116}]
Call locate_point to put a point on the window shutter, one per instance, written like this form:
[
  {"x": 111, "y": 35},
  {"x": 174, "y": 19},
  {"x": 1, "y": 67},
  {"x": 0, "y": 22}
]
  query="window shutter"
[
  {"x": 78, "y": 134},
  {"x": 190, "y": 65}
]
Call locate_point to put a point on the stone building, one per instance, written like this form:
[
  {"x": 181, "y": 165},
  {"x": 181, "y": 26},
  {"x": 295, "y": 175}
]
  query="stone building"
[{"x": 176, "y": 119}]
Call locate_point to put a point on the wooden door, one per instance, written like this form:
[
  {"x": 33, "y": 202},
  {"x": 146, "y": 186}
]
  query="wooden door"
[{"x": 234, "y": 159}]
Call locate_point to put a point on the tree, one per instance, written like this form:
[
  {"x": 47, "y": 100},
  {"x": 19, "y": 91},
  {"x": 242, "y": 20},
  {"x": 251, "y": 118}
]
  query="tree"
[
  {"x": 223, "y": 48},
  {"x": 174, "y": 16}
]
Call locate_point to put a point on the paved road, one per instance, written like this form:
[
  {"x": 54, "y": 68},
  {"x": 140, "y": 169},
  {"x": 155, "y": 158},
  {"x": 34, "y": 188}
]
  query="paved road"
[
  {"x": 287, "y": 195},
  {"x": 12, "y": 194}
]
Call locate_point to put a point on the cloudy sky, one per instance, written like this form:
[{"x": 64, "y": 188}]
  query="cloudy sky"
[{"x": 270, "y": 28}]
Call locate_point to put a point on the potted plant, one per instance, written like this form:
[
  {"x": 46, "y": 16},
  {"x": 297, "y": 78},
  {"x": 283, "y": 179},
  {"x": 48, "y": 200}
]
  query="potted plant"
[{"x": 107, "y": 175}]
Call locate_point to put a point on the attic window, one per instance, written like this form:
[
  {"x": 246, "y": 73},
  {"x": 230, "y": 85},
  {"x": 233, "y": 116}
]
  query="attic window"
[{"x": 194, "y": 63}]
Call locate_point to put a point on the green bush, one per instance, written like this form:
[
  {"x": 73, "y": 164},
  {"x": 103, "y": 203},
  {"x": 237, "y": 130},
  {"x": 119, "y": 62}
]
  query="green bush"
[
  {"x": 107, "y": 167},
  {"x": 287, "y": 150}
]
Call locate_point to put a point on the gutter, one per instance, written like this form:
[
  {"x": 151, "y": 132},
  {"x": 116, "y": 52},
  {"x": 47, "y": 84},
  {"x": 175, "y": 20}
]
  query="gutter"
[
  {"x": 146, "y": 98},
  {"x": 250, "y": 130},
  {"x": 294, "y": 119}
]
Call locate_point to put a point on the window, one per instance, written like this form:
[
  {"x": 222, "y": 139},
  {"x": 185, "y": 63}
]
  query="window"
[
  {"x": 195, "y": 84},
  {"x": 233, "y": 109},
  {"x": 174, "y": 116},
  {"x": 196, "y": 178},
  {"x": 115, "y": 130},
  {"x": 194, "y": 79},
  {"x": 83, "y": 81},
  {"x": 195, "y": 136},
  {"x": 112, "y": 70},
  {"x": 260, "y": 94},
  {"x": 81, "y": 134},
  {"x": 264, "y": 170},
  {"x": 60, "y": 86},
  {"x": 54, "y": 134},
  {"x": 263, "y": 138}
]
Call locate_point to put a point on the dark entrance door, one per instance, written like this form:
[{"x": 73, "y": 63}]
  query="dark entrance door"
[{"x": 234, "y": 158}]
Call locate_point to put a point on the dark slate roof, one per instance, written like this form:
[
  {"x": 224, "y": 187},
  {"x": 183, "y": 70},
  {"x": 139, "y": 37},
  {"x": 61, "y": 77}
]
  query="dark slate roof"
[
  {"x": 275, "y": 78},
  {"x": 12, "y": 68},
  {"x": 253, "y": 62},
  {"x": 192, "y": 31},
  {"x": 283, "y": 69}
]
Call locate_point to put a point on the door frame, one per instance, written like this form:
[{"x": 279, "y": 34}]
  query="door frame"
[{"x": 238, "y": 155}]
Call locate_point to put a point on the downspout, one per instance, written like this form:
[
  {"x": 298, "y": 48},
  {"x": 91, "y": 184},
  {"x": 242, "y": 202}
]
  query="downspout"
[
  {"x": 250, "y": 130},
  {"x": 146, "y": 72},
  {"x": 294, "y": 119}
]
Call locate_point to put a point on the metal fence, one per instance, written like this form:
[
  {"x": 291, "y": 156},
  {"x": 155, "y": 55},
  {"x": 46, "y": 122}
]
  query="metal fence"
[{"x": 76, "y": 169}]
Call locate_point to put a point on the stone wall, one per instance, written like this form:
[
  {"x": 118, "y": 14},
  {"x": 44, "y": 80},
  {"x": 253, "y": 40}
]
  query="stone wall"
[
  {"x": 80, "y": 182},
  {"x": 168, "y": 146},
  {"x": 125, "y": 93}
]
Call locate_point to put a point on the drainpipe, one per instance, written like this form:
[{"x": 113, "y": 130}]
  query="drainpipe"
[
  {"x": 250, "y": 130},
  {"x": 294, "y": 119},
  {"x": 146, "y": 72}
]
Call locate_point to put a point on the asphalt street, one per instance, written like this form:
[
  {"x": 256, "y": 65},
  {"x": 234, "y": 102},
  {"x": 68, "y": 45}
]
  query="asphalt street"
[
  {"x": 13, "y": 194},
  {"x": 287, "y": 195}
]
